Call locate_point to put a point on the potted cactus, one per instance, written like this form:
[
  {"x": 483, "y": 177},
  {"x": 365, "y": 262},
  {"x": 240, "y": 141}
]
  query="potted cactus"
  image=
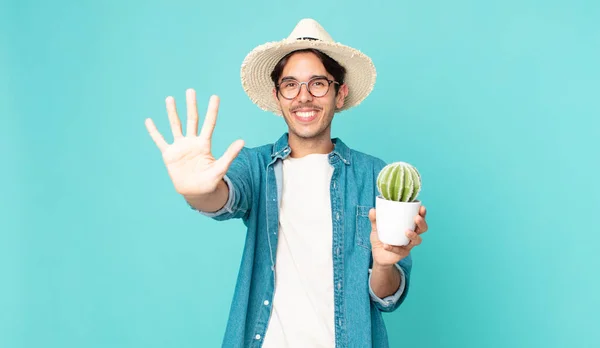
[{"x": 399, "y": 184}]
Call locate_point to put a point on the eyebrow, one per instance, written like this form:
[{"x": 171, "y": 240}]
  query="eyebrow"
[{"x": 293, "y": 78}]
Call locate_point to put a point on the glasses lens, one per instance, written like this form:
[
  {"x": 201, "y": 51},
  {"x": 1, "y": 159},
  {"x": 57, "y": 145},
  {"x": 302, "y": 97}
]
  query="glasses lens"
[
  {"x": 289, "y": 89},
  {"x": 318, "y": 87}
]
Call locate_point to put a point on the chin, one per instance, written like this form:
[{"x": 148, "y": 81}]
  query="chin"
[
  {"x": 305, "y": 135},
  {"x": 312, "y": 129},
  {"x": 308, "y": 133}
]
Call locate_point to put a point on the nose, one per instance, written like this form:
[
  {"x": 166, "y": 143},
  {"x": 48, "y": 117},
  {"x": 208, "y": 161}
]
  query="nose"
[{"x": 304, "y": 95}]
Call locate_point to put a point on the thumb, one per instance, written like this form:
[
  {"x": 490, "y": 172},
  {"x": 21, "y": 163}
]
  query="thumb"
[
  {"x": 374, "y": 237},
  {"x": 223, "y": 163},
  {"x": 372, "y": 218}
]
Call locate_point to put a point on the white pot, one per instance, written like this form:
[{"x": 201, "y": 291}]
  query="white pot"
[{"x": 394, "y": 218}]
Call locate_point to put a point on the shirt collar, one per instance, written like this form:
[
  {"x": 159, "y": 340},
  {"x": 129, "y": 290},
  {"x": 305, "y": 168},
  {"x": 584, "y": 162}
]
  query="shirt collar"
[{"x": 281, "y": 149}]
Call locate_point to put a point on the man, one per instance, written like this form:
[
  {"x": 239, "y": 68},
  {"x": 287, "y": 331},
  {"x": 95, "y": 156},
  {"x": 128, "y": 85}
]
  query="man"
[{"x": 313, "y": 271}]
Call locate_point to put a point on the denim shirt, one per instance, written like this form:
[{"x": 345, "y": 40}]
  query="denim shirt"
[{"x": 255, "y": 183}]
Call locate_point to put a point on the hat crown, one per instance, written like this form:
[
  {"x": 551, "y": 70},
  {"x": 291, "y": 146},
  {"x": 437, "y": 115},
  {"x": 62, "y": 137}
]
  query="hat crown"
[{"x": 308, "y": 28}]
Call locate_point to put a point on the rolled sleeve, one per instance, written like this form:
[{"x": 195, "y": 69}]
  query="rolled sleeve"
[
  {"x": 392, "y": 302},
  {"x": 388, "y": 303},
  {"x": 227, "y": 208},
  {"x": 240, "y": 186}
]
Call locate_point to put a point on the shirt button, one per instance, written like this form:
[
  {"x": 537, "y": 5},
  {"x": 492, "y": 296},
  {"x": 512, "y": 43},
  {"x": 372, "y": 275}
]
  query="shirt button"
[
  {"x": 337, "y": 251},
  {"x": 339, "y": 285},
  {"x": 334, "y": 185},
  {"x": 257, "y": 337},
  {"x": 266, "y": 302},
  {"x": 337, "y": 216}
]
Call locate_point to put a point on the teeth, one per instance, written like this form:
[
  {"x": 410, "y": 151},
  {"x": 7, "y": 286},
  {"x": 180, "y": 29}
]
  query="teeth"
[{"x": 306, "y": 114}]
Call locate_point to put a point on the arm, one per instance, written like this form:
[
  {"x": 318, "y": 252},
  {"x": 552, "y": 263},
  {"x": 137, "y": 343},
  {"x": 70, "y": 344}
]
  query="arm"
[
  {"x": 385, "y": 280},
  {"x": 389, "y": 277},
  {"x": 206, "y": 183},
  {"x": 398, "y": 257},
  {"x": 389, "y": 295}
]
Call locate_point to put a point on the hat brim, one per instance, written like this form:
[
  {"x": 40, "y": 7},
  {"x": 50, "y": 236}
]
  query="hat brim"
[{"x": 260, "y": 62}]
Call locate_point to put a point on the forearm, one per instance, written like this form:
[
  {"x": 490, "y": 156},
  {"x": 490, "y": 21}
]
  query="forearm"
[
  {"x": 385, "y": 280},
  {"x": 210, "y": 202}
]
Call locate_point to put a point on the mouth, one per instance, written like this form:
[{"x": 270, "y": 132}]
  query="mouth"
[{"x": 305, "y": 115}]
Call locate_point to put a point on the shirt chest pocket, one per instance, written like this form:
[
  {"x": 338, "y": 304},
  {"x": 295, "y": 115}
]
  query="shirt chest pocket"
[{"x": 363, "y": 227}]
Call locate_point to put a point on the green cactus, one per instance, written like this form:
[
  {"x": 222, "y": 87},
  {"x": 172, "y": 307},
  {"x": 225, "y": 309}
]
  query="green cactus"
[{"x": 400, "y": 182}]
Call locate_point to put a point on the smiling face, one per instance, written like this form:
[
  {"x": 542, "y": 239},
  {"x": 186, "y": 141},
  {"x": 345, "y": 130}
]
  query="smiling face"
[{"x": 308, "y": 117}]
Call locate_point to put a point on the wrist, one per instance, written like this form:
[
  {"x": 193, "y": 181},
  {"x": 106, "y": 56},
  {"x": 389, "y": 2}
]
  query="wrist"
[
  {"x": 221, "y": 186},
  {"x": 382, "y": 267},
  {"x": 209, "y": 202}
]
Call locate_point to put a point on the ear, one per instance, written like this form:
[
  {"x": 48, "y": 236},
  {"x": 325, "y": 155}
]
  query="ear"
[
  {"x": 341, "y": 96},
  {"x": 276, "y": 97}
]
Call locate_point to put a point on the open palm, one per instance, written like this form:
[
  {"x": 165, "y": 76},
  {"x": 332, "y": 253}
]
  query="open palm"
[{"x": 189, "y": 160}]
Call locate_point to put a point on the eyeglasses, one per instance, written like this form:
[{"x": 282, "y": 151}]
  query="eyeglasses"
[{"x": 317, "y": 87}]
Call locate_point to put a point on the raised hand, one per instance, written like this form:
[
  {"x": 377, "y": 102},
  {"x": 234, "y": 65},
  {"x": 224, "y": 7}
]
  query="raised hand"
[{"x": 189, "y": 160}]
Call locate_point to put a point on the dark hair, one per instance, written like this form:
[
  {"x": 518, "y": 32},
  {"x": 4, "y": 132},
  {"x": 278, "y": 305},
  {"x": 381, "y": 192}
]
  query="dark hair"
[{"x": 333, "y": 67}]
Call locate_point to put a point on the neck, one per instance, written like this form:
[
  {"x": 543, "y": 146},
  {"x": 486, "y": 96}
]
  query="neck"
[{"x": 306, "y": 146}]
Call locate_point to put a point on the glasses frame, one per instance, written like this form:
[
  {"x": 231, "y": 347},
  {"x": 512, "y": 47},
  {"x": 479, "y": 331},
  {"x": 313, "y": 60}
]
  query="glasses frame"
[{"x": 307, "y": 88}]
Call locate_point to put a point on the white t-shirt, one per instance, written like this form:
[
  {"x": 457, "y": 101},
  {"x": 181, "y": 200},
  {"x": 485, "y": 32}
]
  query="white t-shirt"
[{"x": 303, "y": 305}]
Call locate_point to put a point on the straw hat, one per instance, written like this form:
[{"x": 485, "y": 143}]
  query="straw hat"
[{"x": 260, "y": 62}]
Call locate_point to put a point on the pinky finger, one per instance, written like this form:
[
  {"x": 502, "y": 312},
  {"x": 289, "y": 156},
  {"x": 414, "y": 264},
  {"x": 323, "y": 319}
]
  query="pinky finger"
[{"x": 155, "y": 135}]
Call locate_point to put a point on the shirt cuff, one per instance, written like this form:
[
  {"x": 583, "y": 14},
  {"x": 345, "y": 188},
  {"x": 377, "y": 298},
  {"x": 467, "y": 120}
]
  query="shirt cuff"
[
  {"x": 389, "y": 301},
  {"x": 228, "y": 207}
]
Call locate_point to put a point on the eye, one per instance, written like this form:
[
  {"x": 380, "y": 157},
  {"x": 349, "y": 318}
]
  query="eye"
[
  {"x": 289, "y": 84},
  {"x": 319, "y": 83}
]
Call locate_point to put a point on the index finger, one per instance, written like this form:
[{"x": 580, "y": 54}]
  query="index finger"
[{"x": 210, "y": 119}]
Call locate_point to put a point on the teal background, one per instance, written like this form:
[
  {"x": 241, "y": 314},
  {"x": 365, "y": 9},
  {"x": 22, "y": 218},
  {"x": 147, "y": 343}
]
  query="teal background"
[{"x": 495, "y": 102}]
